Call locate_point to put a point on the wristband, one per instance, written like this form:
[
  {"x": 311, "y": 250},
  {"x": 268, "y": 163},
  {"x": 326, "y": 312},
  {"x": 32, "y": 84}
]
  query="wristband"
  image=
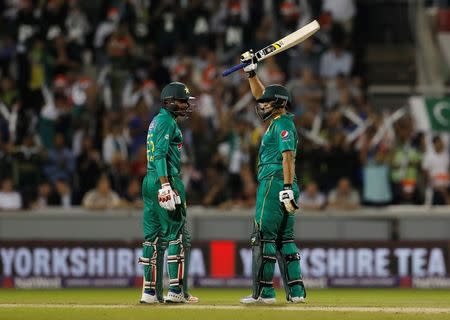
[
  {"x": 287, "y": 186},
  {"x": 251, "y": 74}
]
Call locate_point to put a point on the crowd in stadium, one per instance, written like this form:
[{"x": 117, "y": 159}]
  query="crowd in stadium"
[{"x": 80, "y": 82}]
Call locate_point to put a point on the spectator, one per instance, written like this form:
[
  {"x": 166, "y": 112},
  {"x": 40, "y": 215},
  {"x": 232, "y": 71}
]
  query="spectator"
[
  {"x": 405, "y": 163},
  {"x": 47, "y": 88},
  {"x": 139, "y": 164},
  {"x": 43, "y": 195},
  {"x": 304, "y": 56},
  {"x": 335, "y": 61},
  {"x": 133, "y": 197},
  {"x": 343, "y": 197},
  {"x": 436, "y": 165},
  {"x": 9, "y": 199},
  {"x": 102, "y": 197},
  {"x": 306, "y": 92},
  {"x": 28, "y": 166},
  {"x": 340, "y": 159},
  {"x": 115, "y": 144},
  {"x": 60, "y": 161},
  {"x": 312, "y": 198},
  {"x": 376, "y": 185},
  {"x": 89, "y": 166},
  {"x": 119, "y": 173},
  {"x": 62, "y": 194},
  {"x": 342, "y": 11}
]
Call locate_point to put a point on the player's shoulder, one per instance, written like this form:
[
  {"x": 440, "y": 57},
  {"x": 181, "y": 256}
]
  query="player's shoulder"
[
  {"x": 284, "y": 122},
  {"x": 161, "y": 120}
]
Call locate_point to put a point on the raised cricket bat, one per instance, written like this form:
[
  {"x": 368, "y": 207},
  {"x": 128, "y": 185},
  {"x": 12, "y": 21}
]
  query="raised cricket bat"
[{"x": 279, "y": 46}]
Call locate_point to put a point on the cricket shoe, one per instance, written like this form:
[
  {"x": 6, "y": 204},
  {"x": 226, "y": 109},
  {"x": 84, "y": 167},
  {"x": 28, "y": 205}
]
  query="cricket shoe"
[
  {"x": 173, "y": 297},
  {"x": 148, "y": 298},
  {"x": 191, "y": 299},
  {"x": 260, "y": 300},
  {"x": 296, "y": 300}
]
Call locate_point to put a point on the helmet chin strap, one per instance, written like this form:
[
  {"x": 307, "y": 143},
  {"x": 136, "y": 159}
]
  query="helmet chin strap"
[
  {"x": 172, "y": 107},
  {"x": 276, "y": 105}
]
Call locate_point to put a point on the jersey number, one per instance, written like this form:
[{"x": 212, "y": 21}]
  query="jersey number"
[{"x": 150, "y": 151}]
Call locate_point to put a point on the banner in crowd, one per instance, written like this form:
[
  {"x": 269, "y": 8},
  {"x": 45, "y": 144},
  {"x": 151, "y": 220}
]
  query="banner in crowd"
[
  {"x": 53, "y": 264},
  {"x": 430, "y": 114}
]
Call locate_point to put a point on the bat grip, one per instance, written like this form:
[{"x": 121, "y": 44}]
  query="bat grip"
[{"x": 234, "y": 68}]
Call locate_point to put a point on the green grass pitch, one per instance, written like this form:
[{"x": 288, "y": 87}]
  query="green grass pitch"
[{"x": 216, "y": 304}]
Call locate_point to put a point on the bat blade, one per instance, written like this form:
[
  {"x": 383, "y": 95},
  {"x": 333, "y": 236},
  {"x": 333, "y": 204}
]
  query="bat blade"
[
  {"x": 279, "y": 46},
  {"x": 289, "y": 41}
]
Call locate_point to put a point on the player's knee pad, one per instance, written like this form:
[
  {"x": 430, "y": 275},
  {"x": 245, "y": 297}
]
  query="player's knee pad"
[
  {"x": 267, "y": 263},
  {"x": 255, "y": 242},
  {"x": 291, "y": 259},
  {"x": 151, "y": 260},
  {"x": 175, "y": 260}
]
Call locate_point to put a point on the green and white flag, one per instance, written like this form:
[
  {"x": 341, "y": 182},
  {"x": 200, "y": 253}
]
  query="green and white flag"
[{"x": 430, "y": 114}]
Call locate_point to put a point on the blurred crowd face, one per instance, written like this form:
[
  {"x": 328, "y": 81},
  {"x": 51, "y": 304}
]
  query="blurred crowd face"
[
  {"x": 59, "y": 141},
  {"x": 28, "y": 141},
  {"x": 103, "y": 186},
  {"x": 87, "y": 143},
  {"x": 308, "y": 45},
  {"x": 6, "y": 84},
  {"x": 62, "y": 187},
  {"x": 344, "y": 186},
  {"x": 7, "y": 185},
  {"x": 438, "y": 144},
  {"x": 404, "y": 130},
  {"x": 311, "y": 189},
  {"x": 116, "y": 130},
  {"x": 308, "y": 76},
  {"x": 26, "y": 4},
  {"x": 338, "y": 139},
  {"x": 334, "y": 119},
  {"x": 44, "y": 190},
  {"x": 134, "y": 188}
]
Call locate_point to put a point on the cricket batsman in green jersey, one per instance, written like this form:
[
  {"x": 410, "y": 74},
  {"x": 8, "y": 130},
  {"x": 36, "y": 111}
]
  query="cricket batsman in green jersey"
[
  {"x": 165, "y": 201},
  {"x": 273, "y": 236}
]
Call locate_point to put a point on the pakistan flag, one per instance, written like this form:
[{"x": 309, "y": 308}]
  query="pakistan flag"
[{"x": 430, "y": 114}]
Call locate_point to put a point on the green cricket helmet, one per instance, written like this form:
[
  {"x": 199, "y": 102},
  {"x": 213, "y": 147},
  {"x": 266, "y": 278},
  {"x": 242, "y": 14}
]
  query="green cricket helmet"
[
  {"x": 278, "y": 95},
  {"x": 176, "y": 91}
]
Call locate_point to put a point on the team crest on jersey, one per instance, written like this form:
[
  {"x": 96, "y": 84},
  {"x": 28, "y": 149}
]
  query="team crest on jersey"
[{"x": 284, "y": 134}]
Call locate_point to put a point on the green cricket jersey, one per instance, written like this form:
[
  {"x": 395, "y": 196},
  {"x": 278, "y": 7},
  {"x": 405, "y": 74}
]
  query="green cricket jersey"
[
  {"x": 280, "y": 136},
  {"x": 164, "y": 143}
]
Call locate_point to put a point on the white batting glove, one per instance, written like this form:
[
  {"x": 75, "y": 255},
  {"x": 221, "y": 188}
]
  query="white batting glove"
[
  {"x": 167, "y": 197},
  {"x": 287, "y": 199},
  {"x": 249, "y": 57}
]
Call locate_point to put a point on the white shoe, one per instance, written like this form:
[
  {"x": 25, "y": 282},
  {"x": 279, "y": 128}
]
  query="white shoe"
[
  {"x": 248, "y": 300},
  {"x": 260, "y": 300},
  {"x": 148, "y": 298},
  {"x": 297, "y": 300},
  {"x": 191, "y": 299},
  {"x": 267, "y": 300},
  {"x": 173, "y": 297}
]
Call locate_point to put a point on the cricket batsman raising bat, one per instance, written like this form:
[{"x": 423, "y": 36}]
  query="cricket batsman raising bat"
[
  {"x": 276, "y": 200},
  {"x": 279, "y": 46}
]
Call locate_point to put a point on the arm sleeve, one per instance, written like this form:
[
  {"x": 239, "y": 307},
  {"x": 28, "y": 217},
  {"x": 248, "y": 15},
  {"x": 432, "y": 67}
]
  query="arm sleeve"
[
  {"x": 162, "y": 136},
  {"x": 286, "y": 138}
]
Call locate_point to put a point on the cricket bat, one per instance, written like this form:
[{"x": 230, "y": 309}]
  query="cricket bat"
[{"x": 279, "y": 46}]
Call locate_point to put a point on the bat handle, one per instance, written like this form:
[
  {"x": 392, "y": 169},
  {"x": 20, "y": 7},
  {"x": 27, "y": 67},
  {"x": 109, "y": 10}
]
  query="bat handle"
[{"x": 233, "y": 69}]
